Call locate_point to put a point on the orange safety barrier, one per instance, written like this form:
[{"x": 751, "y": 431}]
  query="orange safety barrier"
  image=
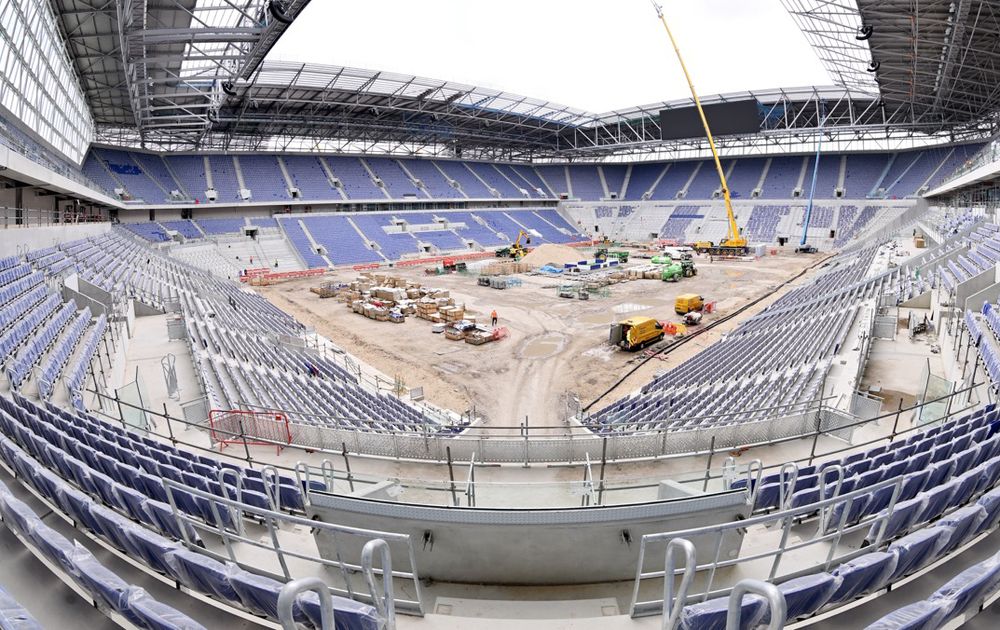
[
  {"x": 252, "y": 273},
  {"x": 268, "y": 278},
  {"x": 436, "y": 259},
  {"x": 254, "y": 428}
]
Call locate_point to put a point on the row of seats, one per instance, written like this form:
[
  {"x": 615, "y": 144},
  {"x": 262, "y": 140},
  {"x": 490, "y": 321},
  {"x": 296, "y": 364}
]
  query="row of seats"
[
  {"x": 109, "y": 592},
  {"x": 925, "y": 457},
  {"x": 964, "y": 593},
  {"x": 150, "y": 178},
  {"x": 867, "y": 573},
  {"x": 98, "y": 454},
  {"x": 223, "y": 581}
]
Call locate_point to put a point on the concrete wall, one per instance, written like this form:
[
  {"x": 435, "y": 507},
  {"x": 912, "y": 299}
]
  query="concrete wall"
[
  {"x": 493, "y": 546},
  {"x": 15, "y": 240}
]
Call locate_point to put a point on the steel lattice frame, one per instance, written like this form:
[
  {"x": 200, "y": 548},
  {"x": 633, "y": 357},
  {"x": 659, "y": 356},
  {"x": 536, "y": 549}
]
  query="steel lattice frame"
[
  {"x": 191, "y": 75},
  {"x": 155, "y": 68}
]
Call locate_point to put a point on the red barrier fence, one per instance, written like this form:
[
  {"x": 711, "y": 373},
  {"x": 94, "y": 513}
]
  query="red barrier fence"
[
  {"x": 271, "y": 278},
  {"x": 436, "y": 259},
  {"x": 256, "y": 428}
]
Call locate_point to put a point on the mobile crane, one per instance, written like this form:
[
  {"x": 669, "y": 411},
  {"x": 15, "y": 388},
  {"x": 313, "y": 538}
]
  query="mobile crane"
[{"x": 735, "y": 243}]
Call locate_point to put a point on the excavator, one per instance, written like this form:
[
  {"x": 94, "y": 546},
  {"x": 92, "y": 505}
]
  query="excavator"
[
  {"x": 516, "y": 250},
  {"x": 735, "y": 244}
]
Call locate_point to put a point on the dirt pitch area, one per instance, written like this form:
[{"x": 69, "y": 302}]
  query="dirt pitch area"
[{"x": 556, "y": 346}]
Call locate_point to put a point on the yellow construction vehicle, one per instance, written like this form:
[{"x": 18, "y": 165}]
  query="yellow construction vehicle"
[
  {"x": 688, "y": 302},
  {"x": 516, "y": 250},
  {"x": 636, "y": 333},
  {"x": 735, "y": 243}
]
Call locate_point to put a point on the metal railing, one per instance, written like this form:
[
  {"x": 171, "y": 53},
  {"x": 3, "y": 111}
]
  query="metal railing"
[
  {"x": 265, "y": 536},
  {"x": 11, "y": 218},
  {"x": 713, "y": 477}
]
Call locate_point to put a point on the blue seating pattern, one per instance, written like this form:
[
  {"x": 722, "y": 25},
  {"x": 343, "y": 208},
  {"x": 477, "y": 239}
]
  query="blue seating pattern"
[
  {"x": 220, "y": 580},
  {"x": 108, "y": 590},
  {"x": 963, "y": 593}
]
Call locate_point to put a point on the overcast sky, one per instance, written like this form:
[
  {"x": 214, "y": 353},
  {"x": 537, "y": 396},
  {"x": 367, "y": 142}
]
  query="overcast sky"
[{"x": 591, "y": 54}]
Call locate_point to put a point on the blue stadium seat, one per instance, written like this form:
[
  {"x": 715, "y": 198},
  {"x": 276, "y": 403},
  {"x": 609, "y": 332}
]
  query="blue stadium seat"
[
  {"x": 918, "y": 549},
  {"x": 202, "y": 574},
  {"x": 805, "y": 595},
  {"x": 964, "y": 523},
  {"x": 864, "y": 574},
  {"x": 711, "y": 615},
  {"x": 923, "y": 615},
  {"x": 13, "y": 616},
  {"x": 154, "y": 615}
]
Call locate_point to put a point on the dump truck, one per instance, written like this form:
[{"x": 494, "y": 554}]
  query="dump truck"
[
  {"x": 687, "y": 302},
  {"x": 635, "y": 333}
]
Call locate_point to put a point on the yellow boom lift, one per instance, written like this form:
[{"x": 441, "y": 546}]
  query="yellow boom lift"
[{"x": 735, "y": 244}]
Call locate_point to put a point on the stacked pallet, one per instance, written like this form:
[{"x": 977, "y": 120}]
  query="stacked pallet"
[{"x": 505, "y": 268}]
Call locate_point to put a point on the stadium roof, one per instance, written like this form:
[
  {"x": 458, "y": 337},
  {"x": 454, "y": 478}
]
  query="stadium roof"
[
  {"x": 938, "y": 59},
  {"x": 190, "y": 74},
  {"x": 153, "y": 67}
]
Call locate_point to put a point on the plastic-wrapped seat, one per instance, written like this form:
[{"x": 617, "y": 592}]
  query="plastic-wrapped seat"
[
  {"x": 154, "y": 615},
  {"x": 922, "y": 615},
  {"x": 968, "y": 589},
  {"x": 202, "y": 574},
  {"x": 348, "y": 614},
  {"x": 149, "y": 547},
  {"x": 964, "y": 523},
  {"x": 13, "y": 616},
  {"x": 937, "y": 500},
  {"x": 991, "y": 503},
  {"x": 259, "y": 594},
  {"x": 111, "y": 526},
  {"x": 163, "y": 516},
  {"x": 864, "y": 574},
  {"x": 17, "y": 515},
  {"x": 965, "y": 486},
  {"x": 711, "y": 615},
  {"x": 848, "y": 511},
  {"x": 913, "y": 484},
  {"x": 51, "y": 543},
  {"x": 805, "y": 595},
  {"x": 917, "y": 549},
  {"x": 904, "y": 515},
  {"x": 104, "y": 586}
]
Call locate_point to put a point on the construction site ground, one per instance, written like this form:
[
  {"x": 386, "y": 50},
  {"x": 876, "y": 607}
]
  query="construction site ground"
[{"x": 557, "y": 347}]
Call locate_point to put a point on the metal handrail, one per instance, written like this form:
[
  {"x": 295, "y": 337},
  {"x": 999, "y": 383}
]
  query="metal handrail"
[
  {"x": 776, "y": 604},
  {"x": 290, "y": 593}
]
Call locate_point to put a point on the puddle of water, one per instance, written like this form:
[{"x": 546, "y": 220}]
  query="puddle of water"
[
  {"x": 597, "y": 318},
  {"x": 541, "y": 347}
]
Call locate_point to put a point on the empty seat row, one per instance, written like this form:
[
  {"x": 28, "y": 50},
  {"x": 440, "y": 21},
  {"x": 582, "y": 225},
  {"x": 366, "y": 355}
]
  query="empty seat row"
[
  {"x": 108, "y": 591},
  {"x": 867, "y": 573},
  {"x": 222, "y": 581},
  {"x": 962, "y": 595}
]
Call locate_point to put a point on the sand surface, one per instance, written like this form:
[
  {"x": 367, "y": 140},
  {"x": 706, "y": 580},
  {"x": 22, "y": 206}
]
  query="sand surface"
[{"x": 557, "y": 348}]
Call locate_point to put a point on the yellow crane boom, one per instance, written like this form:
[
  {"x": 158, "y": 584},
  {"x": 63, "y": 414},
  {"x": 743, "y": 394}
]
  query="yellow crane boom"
[{"x": 734, "y": 239}]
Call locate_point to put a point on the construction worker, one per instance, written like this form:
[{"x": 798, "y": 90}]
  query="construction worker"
[{"x": 493, "y": 316}]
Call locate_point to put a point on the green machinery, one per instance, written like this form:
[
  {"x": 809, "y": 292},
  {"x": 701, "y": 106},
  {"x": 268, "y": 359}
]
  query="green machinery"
[
  {"x": 675, "y": 271},
  {"x": 603, "y": 254}
]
